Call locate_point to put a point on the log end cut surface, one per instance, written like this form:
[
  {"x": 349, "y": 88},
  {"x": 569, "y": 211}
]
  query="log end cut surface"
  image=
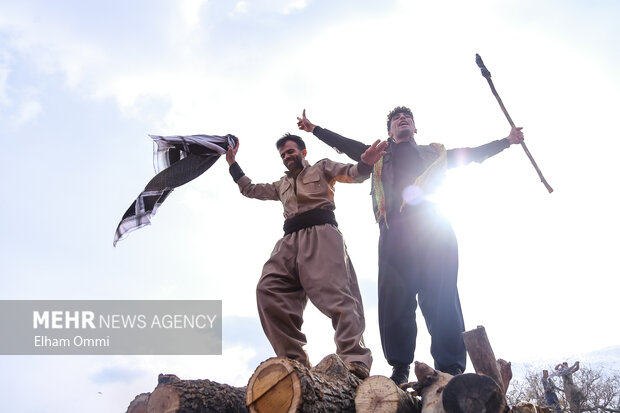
[
  {"x": 379, "y": 394},
  {"x": 470, "y": 393},
  {"x": 273, "y": 388}
]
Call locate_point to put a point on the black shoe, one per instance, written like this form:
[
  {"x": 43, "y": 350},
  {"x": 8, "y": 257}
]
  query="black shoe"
[
  {"x": 453, "y": 370},
  {"x": 400, "y": 373}
]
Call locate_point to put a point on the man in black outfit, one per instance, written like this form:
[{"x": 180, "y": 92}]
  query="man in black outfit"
[{"x": 418, "y": 253}]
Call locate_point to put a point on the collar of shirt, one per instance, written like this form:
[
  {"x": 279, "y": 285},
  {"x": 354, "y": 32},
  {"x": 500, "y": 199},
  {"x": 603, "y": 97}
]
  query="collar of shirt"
[{"x": 410, "y": 140}]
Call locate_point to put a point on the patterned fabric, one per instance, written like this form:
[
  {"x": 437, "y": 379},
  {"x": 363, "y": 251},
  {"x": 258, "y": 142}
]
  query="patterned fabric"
[
  {"x": 377, "y": 185},
  {"x": 434, "y": 174},
  {"x": 177, "y": 160},
  {"x": 427, "y": 181}
]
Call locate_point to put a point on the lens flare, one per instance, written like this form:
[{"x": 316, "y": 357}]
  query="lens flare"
[{"x": 413, "y": 195}]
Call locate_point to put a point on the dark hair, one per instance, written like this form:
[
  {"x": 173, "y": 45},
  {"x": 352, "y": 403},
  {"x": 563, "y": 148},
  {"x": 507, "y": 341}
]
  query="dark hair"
[
  {"x": 396, "y": 111},
  {"x": 288, "y": 137}
]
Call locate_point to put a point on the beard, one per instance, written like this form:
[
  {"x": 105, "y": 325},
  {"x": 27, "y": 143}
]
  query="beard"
[{"x": 295, "y": 164}]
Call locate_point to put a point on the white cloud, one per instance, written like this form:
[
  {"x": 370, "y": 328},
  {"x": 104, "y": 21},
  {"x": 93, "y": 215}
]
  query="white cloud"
[
  {"x": 28, "y": 110},
  {"x": 4, "y": 75},
  {"x": 241, "y": 7},
  {"x": 284, "y": 7},
  {"x": 21, "y": 104},
  {"x": 294, "y": 5},
  {"x": 190, "y": 9}
]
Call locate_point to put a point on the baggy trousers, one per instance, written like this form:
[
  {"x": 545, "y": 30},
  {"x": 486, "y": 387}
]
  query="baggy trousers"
[
  {"x": 311, "y": 263},
  {"x": 418, "y": 255}
]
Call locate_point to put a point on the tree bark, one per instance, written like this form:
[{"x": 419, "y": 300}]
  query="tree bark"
[
  {"x": 379, "y": 394},
  {"x": 483, "y": 359},
  {"x": 284, "y": 385},
  {"x": 173, "y": 395}
]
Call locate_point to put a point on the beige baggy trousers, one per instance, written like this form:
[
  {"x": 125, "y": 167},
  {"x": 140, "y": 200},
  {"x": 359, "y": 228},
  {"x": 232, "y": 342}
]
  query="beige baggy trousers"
[{"x": 311, "y": 263}]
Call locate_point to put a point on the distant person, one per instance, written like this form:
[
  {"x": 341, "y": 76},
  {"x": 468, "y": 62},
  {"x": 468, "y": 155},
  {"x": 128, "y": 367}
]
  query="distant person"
[
  {"x": 311, "y": 259},
  {"x": 551, "y": 399},
  {"x": 574, "y": 397}
]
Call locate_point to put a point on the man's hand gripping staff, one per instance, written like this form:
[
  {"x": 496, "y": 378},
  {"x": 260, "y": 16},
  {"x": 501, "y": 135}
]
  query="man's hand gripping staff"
[{"x": 487, "y": 75}]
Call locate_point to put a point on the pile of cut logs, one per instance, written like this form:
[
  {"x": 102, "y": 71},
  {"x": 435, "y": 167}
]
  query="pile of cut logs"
[{"x": 284, "y": 385}]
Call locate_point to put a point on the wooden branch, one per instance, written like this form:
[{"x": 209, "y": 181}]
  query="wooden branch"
[
  {"x": 505, "y": 371},
  {"x": 483, "y": 359},
  {"x": 430, "y": 386},
  {"x": 487, "y": 75},
  {"x": 379, "y": 394},
  {"x": 173, "y": 395},
  {"x": 284, "y": 385}
]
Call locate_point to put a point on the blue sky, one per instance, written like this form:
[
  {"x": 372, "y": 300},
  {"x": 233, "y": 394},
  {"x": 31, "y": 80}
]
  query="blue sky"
[{"x": 82, "y": 84}]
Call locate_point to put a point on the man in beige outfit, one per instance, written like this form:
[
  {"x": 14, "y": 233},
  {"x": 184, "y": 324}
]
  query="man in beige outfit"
[{"x": 311, "y": 260}]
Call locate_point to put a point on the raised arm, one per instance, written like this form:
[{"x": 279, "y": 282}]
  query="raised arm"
[
  {"x": 353, "y": 149},
  {"x": 574, "y": 368},
  {"x": 463, "y": 156},
  {"x": 247, "y": 188},
  {"x": 356, "y": 173}
]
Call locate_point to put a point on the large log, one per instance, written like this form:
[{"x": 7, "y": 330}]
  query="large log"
[
  {"x": 284, "y": 385},
  {"x": 379, "y": 394},
  {"x": 138, "y": 405},
  {"x": 173, "y": 395},
  {"x": 483, "y": 358},
  {"x": 431, "y": 384},
  {"x": 466, "y": 393},
  {"x": 473, "y": 393}
]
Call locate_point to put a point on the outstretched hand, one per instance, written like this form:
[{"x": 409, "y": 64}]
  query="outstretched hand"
[
  {"x": 231, "y": 153},
  {"x": 516, "y": 135},
  {"x": 304, "y": 124},
  {"x": 376, "y": 151}
]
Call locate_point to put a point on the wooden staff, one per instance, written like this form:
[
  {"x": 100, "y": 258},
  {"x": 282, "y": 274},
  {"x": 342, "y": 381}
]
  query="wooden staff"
[{"x": 487, "y": 75}]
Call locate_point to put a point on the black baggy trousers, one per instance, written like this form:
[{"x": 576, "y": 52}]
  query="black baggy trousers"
[{"x": 418, "y": 256}]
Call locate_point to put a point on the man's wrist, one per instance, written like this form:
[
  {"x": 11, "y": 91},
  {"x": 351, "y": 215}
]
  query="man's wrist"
[
  {"x": 363, "y": 168},
  {"x": 236, "y": 172}
]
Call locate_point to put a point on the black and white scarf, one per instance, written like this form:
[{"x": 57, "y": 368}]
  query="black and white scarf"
[{"x": 177, "y": 160}]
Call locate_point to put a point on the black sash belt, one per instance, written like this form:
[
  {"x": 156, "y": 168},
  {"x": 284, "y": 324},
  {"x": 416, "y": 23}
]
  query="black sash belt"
[{"x": 309, "y": 219}]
